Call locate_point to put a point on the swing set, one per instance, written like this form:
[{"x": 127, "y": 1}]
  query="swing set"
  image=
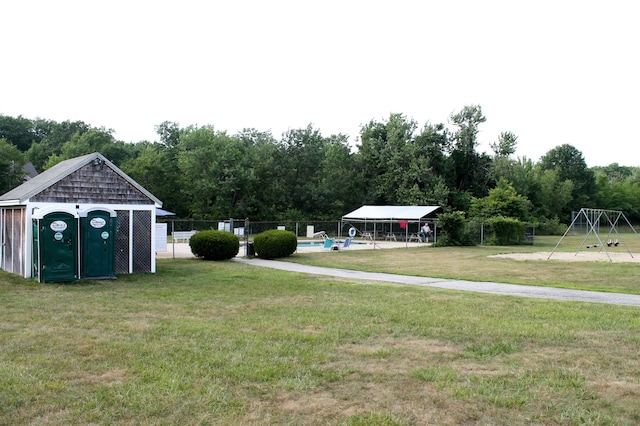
[{"x": 593, "y": 219}]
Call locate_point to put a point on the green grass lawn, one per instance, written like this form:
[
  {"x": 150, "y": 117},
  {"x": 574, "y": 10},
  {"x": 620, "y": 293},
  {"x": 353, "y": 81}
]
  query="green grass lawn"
[
  {"x": 475, "y": 264},
  {"x": 227, "y": 343}
]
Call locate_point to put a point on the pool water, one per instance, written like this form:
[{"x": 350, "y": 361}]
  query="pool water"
[
  {"x": 321, "y": 243},
  {"x": 310, "y": 243}
]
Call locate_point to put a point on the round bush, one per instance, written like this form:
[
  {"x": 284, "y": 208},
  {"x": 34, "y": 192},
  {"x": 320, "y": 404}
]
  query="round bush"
[
  {"x": 214, "y": 245},
  {"x": 275, "y": 243}
]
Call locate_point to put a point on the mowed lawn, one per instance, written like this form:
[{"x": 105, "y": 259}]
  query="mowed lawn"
[
  {"x": 228, "y": 343},
  {"x": 476, "y": 263}
]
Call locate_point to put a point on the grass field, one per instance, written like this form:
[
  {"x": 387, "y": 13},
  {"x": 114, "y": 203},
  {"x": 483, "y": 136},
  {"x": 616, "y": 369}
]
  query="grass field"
[
  {"x": 227, "y": 343},
  {"x": 475, "y": 264}
]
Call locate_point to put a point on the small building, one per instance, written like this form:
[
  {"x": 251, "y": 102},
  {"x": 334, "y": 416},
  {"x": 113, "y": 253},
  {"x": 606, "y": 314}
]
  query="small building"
[
  {"x": 82, "y": 218},
  {"x": 29, "y": 171}
]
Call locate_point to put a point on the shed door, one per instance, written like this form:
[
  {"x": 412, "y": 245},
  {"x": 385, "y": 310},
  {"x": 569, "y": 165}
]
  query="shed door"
[{"x": 58, "y": 247}]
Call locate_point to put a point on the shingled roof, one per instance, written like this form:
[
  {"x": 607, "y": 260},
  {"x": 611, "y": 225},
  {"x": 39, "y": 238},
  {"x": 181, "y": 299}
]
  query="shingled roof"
[{"x": 32, "y": 187}]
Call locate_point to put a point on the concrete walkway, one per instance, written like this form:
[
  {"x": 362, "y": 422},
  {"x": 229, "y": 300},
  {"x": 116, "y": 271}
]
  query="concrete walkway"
[{"x": 481, "y": 287}]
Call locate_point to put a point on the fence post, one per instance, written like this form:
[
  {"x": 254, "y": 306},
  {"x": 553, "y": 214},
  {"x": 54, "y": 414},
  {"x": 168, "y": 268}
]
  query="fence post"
[{"x": 246, "y": 237}]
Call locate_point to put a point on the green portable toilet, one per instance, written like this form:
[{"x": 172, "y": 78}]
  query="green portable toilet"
[
  {"x": 55, "y": 245},
  {"x": 97, "y": 244}
]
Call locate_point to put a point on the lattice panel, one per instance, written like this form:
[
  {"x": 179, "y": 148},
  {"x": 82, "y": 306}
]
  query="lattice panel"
[
  {"x": 142, "y": 241},
  {"x": 122, "y": 242},
  {"x": 13, "y": 241}
]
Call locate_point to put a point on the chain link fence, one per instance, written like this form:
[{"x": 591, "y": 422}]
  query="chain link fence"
[
  {"x": 247, "y": 228},
  {"x": 244, "y": 228},
  {"x": 480, "y": 232}
]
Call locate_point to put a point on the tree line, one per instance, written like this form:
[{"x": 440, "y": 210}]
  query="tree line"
[{"x": 201, "y": 172}]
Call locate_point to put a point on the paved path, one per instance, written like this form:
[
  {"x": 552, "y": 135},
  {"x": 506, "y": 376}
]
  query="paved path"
[{"x": 481, "y": 287}]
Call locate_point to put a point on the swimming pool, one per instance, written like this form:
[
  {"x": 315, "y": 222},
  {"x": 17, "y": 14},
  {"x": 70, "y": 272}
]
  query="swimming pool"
[
  {"x": 318, "y": 244},
  {"x": 310, "y": 244}
]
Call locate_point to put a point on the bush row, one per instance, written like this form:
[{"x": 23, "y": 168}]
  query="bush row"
[
  {"x": 214, "y": 245},
  {"x": 222, "y": 245},
  {"x": 275, "y": 243}
]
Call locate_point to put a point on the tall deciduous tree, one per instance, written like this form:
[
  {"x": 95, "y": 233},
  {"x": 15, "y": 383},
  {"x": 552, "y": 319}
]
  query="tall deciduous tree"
[
  {"x": 402, "y": 167},
  {"x": 153, "y": 168},
  {"x": 506, "y": 145},
  {"x": 301, "y": 155},
  {"x": 94, "y": 140},
  {"x": 214, "y": 172},
  {"x": 18, "y": 131},
  {"x": 435, "y": 178},
  {"x": 388, "y": 159},
  {"x": 264, "y": 196},
  {"x": 11, "y": 163},
  {"x": 568, "y": 162},
  {"x": 339, "y": 186},
  {"x": 502, "y": 200},
  {"x": 616, "y": 173},
  {"x": 169, "y": 133},
  {"x": 618, "y": 188},
  {"x": 553, "y": 196},
  {"x": 53, "y": 137},
  {"x": 471, "y": 169}
]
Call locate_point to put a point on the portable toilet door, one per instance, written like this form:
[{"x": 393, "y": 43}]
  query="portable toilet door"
[
  {"x": 98, "y": 230},
  {"x": 55, "y": 241}
]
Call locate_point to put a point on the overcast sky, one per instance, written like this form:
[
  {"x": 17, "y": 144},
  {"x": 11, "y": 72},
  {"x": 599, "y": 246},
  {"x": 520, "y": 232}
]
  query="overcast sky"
[{"x": 551, "y": 72}]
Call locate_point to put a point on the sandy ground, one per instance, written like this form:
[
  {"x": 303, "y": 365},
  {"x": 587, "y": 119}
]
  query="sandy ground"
[{"x": 581, "y": 256}]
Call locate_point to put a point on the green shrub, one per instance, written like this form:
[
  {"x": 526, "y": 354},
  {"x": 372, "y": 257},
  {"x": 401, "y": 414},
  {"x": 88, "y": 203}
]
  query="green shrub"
[
  {"x": 550, "y": 227},
  {"x": 506, "y": 231},
  {"x": 214, "y": 245},
  {"x": 275, "y": 243},
  {"x": 453, "y": 230}
]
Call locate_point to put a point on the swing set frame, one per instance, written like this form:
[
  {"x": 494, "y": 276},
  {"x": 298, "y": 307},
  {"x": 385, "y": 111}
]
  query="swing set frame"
[{"x": 593, "y": 219}]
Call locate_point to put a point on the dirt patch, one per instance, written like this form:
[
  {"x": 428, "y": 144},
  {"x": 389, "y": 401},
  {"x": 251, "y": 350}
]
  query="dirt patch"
[
  {"x": 581, "y": 256},
  {"x": 375, "y": 377},
  {"x": 109, "y": 378}
]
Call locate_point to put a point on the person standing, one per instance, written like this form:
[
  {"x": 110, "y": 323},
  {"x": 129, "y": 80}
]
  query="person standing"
[{"x": 425, "y": 233}]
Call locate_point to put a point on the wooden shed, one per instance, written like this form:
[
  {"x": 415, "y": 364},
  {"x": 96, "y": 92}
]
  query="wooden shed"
[{"x": 77, "y": 189}]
